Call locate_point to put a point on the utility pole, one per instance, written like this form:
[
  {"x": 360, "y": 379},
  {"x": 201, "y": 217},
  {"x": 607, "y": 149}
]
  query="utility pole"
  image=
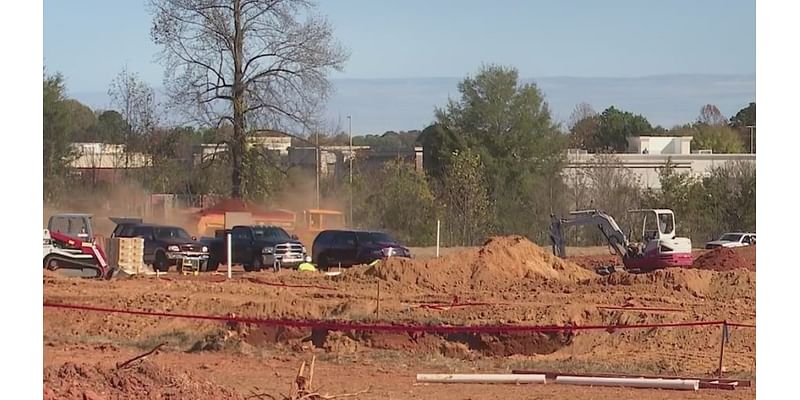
[
  {"x": 318, "y": 156},
  {"x": 751, "y": 127},
  {"x": 350, "y": 123}
]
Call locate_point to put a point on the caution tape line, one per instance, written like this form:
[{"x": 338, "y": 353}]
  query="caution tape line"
[{"x": 378, "y": 327}]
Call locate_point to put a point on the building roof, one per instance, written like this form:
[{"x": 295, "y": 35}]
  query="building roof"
[{"x": 239, "y": 205}]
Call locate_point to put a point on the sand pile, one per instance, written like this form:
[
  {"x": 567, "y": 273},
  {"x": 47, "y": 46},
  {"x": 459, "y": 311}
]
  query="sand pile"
[
  {"x": 144, "y": 381},
  {"x": 500, "y": 262},
  {"x": 727, "y": 259}
]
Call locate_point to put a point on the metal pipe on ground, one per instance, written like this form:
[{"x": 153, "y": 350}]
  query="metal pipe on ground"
[
  {"x": 479, "y": 378},
  {"x": 675, "y": 384}
]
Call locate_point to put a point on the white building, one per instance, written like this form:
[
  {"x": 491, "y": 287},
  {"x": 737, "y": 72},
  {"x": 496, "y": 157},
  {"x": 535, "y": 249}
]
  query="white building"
[
  {"x": 646, "y": 164},
  {"x": 659, "y": 144}
]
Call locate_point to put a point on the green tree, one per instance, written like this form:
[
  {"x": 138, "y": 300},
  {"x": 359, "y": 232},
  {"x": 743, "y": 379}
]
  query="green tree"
[
  {"x": 467, "y": 207},
  {"x": 57, "y": 151},
  {"x": 402, "y": 203},
  {"x": 111, "y": 127},
  {"x": 746, "y": 117},
  {"x": 81, "y": 119},
  {"x": 509, "y": 126},
  {"x": 438, "y": 143},
  {"x": 615, "y": 127},
  {"x": 718, "y": 138}
]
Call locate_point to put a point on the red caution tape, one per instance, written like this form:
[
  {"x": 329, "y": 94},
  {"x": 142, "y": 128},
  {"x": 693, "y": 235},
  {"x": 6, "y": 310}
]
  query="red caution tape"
[{"x": 383, "y": 327}]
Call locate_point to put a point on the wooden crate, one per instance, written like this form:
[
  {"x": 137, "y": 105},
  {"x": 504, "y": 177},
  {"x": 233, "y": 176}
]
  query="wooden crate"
[{"x": 127, "y": 254}]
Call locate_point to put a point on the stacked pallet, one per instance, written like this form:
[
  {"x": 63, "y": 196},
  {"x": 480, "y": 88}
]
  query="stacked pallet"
[{"x": 127, "y": 254}]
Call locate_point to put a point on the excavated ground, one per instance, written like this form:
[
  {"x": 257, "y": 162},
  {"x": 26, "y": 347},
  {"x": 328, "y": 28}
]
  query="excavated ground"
[{"x": 509, "y": 280}]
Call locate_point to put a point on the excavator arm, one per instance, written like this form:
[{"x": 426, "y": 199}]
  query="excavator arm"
[{"x": 616, "y": 238}]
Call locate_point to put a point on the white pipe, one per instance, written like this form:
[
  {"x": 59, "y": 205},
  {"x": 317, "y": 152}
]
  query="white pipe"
[
  {"x": 438, "y": 225},
  {"x": 230, "y": 255},
  {"x": 677, "y": 384},
  {"x": 480, "y": 378}
]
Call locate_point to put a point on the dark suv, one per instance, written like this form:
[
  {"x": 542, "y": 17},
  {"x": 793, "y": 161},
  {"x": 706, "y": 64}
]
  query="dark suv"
[
  {"x": 165, "y": 245},
  {"x": 353, "y": 247}
]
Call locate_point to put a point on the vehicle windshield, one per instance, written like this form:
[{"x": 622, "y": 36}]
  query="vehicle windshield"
[
  {"x": 374, "y": 238},
  {"x": 270, "y": 233},
  {"x": 171, "y": 233},
  {"x": 730, "y": 237}
]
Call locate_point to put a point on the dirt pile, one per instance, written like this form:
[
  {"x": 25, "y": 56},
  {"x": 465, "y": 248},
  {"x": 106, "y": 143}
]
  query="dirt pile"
[
  {"x": 144, "y": 381},
  {"x": 697, "y": 282},
  {"x": 727, "y": 259},
  {"x": 500, "y": 262}
]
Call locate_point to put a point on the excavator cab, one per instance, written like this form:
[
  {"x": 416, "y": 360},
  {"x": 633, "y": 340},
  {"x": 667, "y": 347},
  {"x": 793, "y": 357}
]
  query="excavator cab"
[{"x": 657, "y": 224}]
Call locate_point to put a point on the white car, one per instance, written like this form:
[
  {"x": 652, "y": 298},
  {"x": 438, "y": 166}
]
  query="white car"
[{"x": 733, "y": 239}]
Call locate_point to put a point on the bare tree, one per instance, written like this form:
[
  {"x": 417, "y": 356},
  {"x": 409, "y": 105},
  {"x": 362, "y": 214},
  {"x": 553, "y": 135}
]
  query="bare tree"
[
  {"x": 581, "y": 112},
  {"x": 252, "y": 64},
  {"x": 710, "y": 115},
  {"x": 583, "y": 126},
  {"x": 136, "y": 101}
]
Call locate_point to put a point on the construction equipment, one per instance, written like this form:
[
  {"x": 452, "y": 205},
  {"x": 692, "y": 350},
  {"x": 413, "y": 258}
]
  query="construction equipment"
[
  {"x": 73, "y": 256},
  {"x": 658, "y": 248},
  {"x": 72, "y": 224}
]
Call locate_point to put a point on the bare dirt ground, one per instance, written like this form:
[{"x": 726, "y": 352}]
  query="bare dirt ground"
[{"x": 515, "y": 281}]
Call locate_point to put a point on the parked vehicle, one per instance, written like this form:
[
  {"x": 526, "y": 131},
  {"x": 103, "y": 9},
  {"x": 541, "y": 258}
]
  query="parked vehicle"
[
  {"x": 166, "y": 246},
  {"x": 353, "y": 247},
  {"x": 733, "y": 239},
  {"x": 257, "y": 247}
]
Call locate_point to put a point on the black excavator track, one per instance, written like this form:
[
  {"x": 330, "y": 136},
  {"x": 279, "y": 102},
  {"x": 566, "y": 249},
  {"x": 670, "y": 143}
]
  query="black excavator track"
[{"x": 73, "y": 266}]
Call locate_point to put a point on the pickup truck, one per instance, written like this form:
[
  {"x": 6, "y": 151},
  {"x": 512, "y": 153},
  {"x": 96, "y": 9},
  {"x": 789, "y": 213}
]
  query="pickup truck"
[
  {"x": 165, "y": 246},
  {"x": 733, "y": 239},
  {"x": 256, "y": 247}
]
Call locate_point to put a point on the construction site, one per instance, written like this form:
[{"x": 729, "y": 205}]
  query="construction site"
[
  {"x": 509, "y": 311},
  {"x": 317, "y": 200}
]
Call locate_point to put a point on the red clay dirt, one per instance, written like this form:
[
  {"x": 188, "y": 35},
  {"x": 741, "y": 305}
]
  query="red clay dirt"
[
  {"x": 727, "y": 259},
  {"x": 515, "y": 282},
  {"x": 81, "y": 381}
]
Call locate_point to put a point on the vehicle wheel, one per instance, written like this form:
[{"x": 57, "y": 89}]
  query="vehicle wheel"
[
  {"x": 161, "y": 264},
  {"x": 325, "y": 263},
  {"x": 212, "y": 265},
  {"x": 257, "y": 264}
]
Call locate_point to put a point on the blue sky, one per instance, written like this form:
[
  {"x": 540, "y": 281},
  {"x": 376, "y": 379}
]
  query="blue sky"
[{"x": 89, "y": 41}]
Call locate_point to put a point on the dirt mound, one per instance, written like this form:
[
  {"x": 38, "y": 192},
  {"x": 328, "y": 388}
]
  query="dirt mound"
[
  {"x": 144, "y": 381},
  {"x": 500, "y": 262},
  {"x": 697, "y": 282},
  {"x": 727, "y": 259}
]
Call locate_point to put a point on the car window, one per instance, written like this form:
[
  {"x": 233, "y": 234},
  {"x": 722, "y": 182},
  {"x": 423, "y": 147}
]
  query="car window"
[
  {"x": 270, "y": 233},
  {"x": 374, "y": 238},
  {"x": 345, "y": 240},
  {"x": 323, "y": 239},
  {"x": 144, "y": 232},
  {"x": 730, "y": 237},
  {"x": 241, "y": 233},
  {"x": 171, "y": 233}
]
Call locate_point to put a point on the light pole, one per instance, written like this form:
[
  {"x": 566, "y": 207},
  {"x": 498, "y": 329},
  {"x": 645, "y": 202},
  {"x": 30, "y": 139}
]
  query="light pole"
[
  {"x": 350, "y": 128},
  {"x": 751, "y": 127},
  {"x": 317, "y": 156}
]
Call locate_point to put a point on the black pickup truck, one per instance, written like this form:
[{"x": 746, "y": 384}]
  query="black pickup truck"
[{"x": 256, "y": 247}]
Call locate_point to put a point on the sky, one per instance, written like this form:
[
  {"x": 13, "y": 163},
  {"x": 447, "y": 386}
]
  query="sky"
[{"x": 90, "y": 41}]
